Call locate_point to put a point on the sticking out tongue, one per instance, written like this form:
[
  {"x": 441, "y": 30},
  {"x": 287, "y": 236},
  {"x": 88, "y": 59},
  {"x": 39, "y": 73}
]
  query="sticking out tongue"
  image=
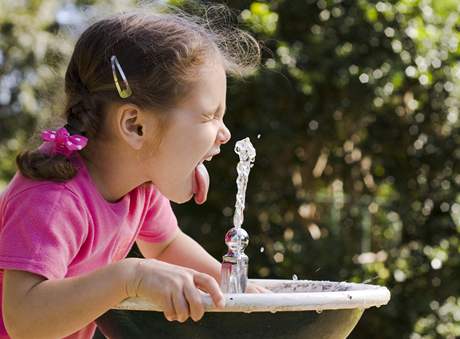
[{"x": 200, "y": 184}]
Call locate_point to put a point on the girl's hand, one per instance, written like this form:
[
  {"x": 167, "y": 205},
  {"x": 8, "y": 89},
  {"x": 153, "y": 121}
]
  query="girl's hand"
[
  {"x": 173, "y": 287},
  {"x": 254, "y": 288}
]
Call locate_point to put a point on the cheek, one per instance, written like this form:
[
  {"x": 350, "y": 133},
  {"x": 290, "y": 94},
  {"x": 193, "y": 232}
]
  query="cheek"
[
  {"x": 207, "y": 136},
  {"x": 175, "y": 159},
  {"x": 181, "y": 149},
  {"x": 196, "y": 142}
]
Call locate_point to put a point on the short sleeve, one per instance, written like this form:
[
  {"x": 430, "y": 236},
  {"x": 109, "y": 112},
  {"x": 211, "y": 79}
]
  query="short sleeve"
[
  {"x": 42, "y": 230},
  {"x": 160, "y": 222}
]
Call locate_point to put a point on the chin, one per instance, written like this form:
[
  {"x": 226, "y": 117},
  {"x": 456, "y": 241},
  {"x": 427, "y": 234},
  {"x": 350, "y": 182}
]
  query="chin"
[
  {"x": 181, "y": 199},
  {"x": 179, "y": 192}
]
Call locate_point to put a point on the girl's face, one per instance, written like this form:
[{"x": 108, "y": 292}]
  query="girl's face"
[{"x": 194, "y": 132}]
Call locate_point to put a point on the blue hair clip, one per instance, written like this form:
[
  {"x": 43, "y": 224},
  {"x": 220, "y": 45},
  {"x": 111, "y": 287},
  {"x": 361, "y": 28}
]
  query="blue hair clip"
[{"x": 126, "y": 92}]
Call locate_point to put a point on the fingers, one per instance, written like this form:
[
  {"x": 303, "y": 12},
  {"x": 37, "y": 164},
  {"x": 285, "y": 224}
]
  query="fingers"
[
  {"x": 179, "y": 290},
  {"x": 208, "y": 284},
  {"x": 169, "y": 311},
  {"x": 183, "y": 302},
  {"x": 193, "y": 297},
  {"x": 253, "y": 288},
  {"x": 181, "y": 307}
]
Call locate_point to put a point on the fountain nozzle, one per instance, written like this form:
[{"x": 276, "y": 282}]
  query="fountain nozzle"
[{"x": 234, "y": 273}]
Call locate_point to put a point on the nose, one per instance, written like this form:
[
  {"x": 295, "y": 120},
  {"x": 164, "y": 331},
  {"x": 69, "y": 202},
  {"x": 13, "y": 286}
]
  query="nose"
[{"x": 224, "y": 134}]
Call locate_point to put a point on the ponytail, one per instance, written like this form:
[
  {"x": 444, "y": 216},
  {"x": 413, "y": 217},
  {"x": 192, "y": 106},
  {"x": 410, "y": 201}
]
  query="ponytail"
[
  {"x": 39, "y": 166},
  {"x": 82, "y": 120}
]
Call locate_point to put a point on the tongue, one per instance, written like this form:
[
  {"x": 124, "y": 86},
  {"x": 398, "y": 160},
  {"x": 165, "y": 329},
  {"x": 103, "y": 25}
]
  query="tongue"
[{"x": 201, "y": 184}]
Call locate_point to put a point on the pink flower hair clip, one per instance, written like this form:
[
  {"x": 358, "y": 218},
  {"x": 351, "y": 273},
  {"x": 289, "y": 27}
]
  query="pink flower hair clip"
[{"x": 61, "y": 142}]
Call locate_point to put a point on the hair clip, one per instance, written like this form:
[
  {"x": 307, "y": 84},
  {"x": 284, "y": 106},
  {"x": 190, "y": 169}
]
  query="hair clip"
[
  {"x": 61, "y": 142},
  {"x": 124, "y": 93}
]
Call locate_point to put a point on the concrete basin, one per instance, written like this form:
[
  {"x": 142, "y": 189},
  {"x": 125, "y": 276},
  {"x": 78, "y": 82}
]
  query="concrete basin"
[{"x": 295, "y": 309}]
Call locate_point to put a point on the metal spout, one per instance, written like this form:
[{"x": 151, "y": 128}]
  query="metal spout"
[{"x": 234, "y": 272}]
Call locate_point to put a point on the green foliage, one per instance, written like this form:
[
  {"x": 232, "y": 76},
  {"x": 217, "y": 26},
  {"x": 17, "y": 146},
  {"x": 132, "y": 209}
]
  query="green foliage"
[
  {"x": 261, "y": 19},
  {"x": 29, "y": 52},
  {"x": 357, "y": 168}
]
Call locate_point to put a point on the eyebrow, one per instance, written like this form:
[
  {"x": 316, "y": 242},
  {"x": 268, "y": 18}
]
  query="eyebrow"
[{"x": 217, "y": 110}]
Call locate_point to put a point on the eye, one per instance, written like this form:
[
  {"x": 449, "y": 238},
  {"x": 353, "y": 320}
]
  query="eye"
[
  {"x": 209, "y": 116},
  {"x": 206, "y": 117},
  {"x": 214, "y": 115}
]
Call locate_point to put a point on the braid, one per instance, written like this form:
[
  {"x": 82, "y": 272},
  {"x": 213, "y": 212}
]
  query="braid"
[
  {"x": 83, "y": 115},
  {"x": 84, "y": 118}
]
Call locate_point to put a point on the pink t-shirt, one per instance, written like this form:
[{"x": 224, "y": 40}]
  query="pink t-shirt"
[{"x": 60, "y": 230}]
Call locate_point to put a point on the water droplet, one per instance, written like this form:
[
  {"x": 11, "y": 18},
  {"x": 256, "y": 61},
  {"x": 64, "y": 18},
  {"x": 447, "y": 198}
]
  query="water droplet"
[
  {"x": 319, "y": 311},
  {"x": 258, "y": 136},
  {"x": 294, "y": 277},
  {"x": 262, "y": 249}
]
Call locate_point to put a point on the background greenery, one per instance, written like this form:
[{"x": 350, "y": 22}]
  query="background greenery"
[{"x": 354, "y": 116}]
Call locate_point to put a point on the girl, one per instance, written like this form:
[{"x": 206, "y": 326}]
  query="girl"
[{"x": 145, "y": 100}]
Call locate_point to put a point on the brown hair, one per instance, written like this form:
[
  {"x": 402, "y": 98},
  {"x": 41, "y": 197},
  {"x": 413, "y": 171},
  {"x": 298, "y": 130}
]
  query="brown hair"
[{"x": 160, "y": 54}]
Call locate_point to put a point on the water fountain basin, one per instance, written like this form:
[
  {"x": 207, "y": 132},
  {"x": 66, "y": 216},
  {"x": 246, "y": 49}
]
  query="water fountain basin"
[
  {"x": 289, "y": 295},
  {"x": 295, "y": 309}
]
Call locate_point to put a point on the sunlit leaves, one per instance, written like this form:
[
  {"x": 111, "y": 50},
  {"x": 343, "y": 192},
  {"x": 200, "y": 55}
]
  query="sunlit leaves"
[{"x": 260, "y": 18}]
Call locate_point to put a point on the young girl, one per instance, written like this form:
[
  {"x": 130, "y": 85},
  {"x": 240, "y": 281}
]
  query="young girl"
[{"x": 145, "y": 100}]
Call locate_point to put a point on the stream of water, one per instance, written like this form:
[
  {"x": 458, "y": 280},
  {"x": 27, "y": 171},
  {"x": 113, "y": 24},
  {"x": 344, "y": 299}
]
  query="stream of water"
[
  {"x": 247, "y": 154},
  {"x": 234, "y": 275}
]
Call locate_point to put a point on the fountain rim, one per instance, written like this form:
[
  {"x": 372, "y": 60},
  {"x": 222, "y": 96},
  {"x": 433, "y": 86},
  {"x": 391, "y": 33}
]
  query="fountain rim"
[{"x": 359, "y": 295}]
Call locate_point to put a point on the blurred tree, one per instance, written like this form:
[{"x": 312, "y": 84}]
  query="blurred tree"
[
  {"x": 29, "y": 47},
  {"x": 354, "y": 116},
  {"x": 356, "y": 176}
]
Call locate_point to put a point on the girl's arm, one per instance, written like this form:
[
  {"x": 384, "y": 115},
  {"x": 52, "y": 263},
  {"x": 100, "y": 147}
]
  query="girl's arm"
[
  {"x": 34, "y": 307},
  {"x": 184, "y": 251}
]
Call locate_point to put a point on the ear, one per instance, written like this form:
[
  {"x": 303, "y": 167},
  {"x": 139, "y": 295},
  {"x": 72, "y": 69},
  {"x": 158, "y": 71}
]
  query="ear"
[{"x": 131, "y": 125}]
